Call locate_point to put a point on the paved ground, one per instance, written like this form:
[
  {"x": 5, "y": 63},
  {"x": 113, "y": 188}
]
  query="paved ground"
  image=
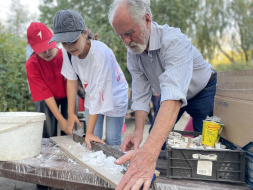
[
  {"x": 130, "y": 126},
  {"x": 8, "y": 184}
]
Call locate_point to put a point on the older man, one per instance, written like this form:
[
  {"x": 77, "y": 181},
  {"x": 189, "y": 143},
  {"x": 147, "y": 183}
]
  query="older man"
[{"x": 161, "y": 60}]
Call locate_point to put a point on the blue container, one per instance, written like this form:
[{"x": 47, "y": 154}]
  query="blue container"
[{"x": 249, "y": 164}]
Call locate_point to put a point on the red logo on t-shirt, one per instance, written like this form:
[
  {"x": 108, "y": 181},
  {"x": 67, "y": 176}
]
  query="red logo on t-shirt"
[
  {"x": 101, "y": 97},
  {"x": 116, "y": 68},
  {"x": 85, "y": 84}
]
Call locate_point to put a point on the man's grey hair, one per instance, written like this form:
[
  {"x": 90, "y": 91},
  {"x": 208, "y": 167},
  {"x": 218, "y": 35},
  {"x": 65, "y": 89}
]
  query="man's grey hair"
[{"x": 136, "y": 8}]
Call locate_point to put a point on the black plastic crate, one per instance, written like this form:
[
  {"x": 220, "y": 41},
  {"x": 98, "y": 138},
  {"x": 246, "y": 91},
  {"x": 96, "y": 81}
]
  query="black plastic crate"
[
  {"x": 228, "y": 167},
  {"x": 249, "y": 164}
]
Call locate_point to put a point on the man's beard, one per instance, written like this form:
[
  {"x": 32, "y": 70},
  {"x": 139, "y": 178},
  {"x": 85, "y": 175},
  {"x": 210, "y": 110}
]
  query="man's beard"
[{"x": 137, "y": 48}]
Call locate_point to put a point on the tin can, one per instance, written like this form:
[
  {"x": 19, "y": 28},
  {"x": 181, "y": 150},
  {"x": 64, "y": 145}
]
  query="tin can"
[{"x": 211, "y": 132}]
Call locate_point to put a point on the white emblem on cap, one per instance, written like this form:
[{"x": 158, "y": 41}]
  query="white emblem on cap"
[{"x": 39, "y": 34}]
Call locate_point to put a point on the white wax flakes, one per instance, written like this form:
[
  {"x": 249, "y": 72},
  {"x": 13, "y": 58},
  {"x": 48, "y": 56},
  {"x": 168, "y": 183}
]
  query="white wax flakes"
[
  {"x": 39, "y": 156},
  {"x": 87, "y": 170},
  {"x": 71, "y": 160},
  {"x": 176, "y": 140},
  {"x": 107, "y": 163}
]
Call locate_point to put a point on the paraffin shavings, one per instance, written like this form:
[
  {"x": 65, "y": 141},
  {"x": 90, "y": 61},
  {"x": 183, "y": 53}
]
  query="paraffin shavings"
[
  {"x": 98, "y": 158},
  {"x": 177, "y": 141}
]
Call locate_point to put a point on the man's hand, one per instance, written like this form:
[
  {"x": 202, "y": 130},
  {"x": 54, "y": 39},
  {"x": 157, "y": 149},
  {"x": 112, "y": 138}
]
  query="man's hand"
[
  {"x": 92, "y": 137},
  {"x": 140, "y": 171},
  {"x": 132, "y": 140},
  {"x": 72, "y": 118}
]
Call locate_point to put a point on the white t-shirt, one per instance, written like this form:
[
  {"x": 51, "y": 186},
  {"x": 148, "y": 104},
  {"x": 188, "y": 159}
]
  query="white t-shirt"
[{"x": 102, "y": 78}]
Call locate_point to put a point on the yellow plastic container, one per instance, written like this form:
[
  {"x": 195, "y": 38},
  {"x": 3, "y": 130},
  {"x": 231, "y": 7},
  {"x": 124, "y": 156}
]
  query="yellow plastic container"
[{"x": 211, "y": 132}]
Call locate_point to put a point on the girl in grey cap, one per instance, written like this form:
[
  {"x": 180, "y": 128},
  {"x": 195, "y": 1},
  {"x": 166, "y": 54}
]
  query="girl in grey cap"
[{"x": 106, "y": 89}]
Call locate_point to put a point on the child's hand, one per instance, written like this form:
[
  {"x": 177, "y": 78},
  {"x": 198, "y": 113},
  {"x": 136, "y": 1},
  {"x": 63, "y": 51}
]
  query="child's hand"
[
  {"x": 91, "y": 137},
  {"x": 72, "y": 118},
  {"x": 64, "y": 125}
]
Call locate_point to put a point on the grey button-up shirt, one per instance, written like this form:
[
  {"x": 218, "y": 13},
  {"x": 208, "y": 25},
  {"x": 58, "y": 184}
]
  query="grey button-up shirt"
[{"x": 173, "y": 67}]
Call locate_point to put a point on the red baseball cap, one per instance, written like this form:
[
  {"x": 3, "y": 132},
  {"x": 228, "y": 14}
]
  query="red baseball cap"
[{"x": 38, "y": 36}]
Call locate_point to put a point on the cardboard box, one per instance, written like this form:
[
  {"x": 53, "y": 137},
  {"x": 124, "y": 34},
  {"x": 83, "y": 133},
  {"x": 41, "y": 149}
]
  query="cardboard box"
[{"x": 234, "y": 105}]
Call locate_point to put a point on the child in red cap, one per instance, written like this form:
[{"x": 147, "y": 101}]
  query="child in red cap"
[{"x": 47, "y": 85}]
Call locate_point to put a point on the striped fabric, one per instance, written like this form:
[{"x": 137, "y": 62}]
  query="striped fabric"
[{"x": 172, "y": 67}]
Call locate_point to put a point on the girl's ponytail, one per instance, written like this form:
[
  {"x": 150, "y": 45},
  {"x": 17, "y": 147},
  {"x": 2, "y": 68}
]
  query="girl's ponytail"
[{"x": 92, "y": 36}]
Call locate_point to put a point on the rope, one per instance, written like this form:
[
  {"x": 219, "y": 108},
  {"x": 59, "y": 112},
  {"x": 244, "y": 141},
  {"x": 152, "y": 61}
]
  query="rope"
[{"x": 15, "y": 126}]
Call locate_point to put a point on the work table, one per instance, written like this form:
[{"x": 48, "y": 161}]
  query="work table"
[{"x": 55, "y": 168}]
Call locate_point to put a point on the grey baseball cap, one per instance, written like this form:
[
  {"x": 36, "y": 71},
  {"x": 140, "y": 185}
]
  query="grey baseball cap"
[{"x": 68, "y": 24}]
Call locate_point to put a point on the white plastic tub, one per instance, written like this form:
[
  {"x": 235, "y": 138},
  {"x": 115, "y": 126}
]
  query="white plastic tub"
[{"x": 20, "y": 134}]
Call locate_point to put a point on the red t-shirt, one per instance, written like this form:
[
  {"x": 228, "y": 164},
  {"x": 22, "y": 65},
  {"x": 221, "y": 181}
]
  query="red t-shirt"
[{"x": 45, "y": 78}]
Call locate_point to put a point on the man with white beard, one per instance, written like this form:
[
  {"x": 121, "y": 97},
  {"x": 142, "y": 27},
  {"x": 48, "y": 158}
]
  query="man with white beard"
[{"x": 161, "y": 60}]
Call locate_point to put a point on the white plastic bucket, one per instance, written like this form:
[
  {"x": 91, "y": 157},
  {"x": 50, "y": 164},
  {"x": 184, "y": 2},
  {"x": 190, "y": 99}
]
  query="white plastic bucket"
[{"x": 20, "y": 135}]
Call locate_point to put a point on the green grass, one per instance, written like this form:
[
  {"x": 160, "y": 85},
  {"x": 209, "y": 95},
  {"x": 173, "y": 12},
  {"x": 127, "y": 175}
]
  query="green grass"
[{"x": 234, "y": 66}]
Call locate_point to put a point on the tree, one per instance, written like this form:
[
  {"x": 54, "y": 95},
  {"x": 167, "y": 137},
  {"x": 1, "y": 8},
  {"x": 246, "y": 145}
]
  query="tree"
[
  {"x": 225, "y": 26},
  {"x": 18, "y": 18},
  {"x": 242, "y": 11},
  {"x": 14, "y": 94},
  {"x": 176, "y": 13}
]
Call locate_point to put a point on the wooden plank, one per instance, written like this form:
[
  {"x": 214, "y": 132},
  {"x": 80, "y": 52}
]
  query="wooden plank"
[{"x": 78, "y": 151}]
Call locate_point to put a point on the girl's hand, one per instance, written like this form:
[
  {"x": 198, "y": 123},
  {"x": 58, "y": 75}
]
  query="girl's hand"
[{"x": 91, "y": 137}]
